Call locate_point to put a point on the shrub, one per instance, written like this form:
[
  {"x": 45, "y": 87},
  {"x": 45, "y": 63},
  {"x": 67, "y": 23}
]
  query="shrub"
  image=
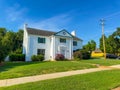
[
  {"x": 81, "y": 54},
  {"x": 77, "y": 55},
  {"x": 37, "y": 57},
  {"x": 34, "y": 58},
  {"x": 17, "y": 57},
  {"x": 86, "y": 55},
  {"x": 59, "y": 57},
  {"x": 40, "y": 57}
]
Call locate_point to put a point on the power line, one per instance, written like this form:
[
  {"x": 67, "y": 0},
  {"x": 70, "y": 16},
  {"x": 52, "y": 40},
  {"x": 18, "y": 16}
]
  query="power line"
[
  {"x": 111, "y": 15},
  {"x": 103, "y": 24}
]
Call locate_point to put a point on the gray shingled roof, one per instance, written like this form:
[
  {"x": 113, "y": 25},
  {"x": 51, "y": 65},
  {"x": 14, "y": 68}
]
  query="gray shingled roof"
[
  {"x": 76, "y": 38},
  {"x": 97, "y": 50},
  {"x": 39, "y": 32},
  {"x": 34, "y": 31}
]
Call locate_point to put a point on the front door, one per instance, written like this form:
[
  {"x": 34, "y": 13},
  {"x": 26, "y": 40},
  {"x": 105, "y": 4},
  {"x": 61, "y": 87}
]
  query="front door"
[{"x": 63, "y": 51}]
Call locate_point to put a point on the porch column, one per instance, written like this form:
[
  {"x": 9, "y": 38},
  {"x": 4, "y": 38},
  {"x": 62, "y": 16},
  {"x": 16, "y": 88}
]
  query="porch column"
[
  {"x": 53, "y": 48},
  {"x": 71, "y": 48}
]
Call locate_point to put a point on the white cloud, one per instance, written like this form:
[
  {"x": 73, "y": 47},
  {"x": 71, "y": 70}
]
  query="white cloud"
[
  {"x": 15, "y": 13},
  {"x": 54, "y": 23}
]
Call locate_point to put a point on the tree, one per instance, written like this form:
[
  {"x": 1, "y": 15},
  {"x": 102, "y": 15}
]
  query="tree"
[
  {"x": 2, "y": 48},
  {"x": 2, "y": 52},
  {"x": 116, "y": 36},
  {"x": 112, "y": 43},
  {"x": 18, "y": 40},
  {"x": 8, "y": 41},
  {"x": 90, "y": 46},
  {"x": 2, "y": 32}
]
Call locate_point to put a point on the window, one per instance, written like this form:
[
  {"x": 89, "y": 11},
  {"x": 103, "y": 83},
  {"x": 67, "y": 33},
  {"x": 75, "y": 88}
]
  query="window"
[
  {"x": 41, "y": 40},
  {"x": 62, "y": 40},
  {"x": 41, "y": 51},
  {"x": 74, "y": 43}
]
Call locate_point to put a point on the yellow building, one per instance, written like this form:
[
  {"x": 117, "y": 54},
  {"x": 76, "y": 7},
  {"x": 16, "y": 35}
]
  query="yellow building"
[{"x": 97, "y": 53}]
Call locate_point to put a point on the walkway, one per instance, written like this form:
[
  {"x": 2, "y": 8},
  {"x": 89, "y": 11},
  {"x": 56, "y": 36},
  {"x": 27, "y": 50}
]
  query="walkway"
[{"x": 9, "y": 82}]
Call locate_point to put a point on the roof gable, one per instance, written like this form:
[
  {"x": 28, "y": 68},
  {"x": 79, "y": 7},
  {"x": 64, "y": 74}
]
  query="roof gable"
[{"x": 63, "y": 33}]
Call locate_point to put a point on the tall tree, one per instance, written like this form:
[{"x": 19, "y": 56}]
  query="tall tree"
[
  {"x": 90, "y": 46},
  {"x": 2, "y": 48},
  {"x": 18, "y": 41},
  {"x": 8, "y": 41},
  {"x": 116, "y": 36},
  {"x": 2, "y": 33},
  {"x": 112, "y": 43}
]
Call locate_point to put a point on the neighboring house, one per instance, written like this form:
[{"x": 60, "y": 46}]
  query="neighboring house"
[
  {"x": 49, "y": 43},
  {"x": 97, "y": 53}
]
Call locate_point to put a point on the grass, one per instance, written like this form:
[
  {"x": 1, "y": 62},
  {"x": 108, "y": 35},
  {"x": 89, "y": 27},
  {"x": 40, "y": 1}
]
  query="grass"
[
  {"x": 103, "y": 80},
  {"x": 21, "y": 69},
  {"x": 103, "y": 62}
]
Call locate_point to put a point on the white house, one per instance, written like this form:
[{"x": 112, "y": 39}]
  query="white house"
[{"x": 48, "y": 43}]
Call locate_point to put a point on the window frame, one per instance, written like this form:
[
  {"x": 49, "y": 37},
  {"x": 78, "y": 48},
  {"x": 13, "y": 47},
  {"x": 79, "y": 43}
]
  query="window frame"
[
  {"x": 41, "y": 40},
  {"x": 40, "y": 51},
  {"x": 62, "y": 40},
  {"x": 75, "y": 43}
]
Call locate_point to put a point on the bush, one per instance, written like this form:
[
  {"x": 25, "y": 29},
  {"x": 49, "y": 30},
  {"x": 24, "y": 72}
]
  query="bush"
[
  {"x": 37, "y": 57},
  {"x": 17, "y": 57},
  {"x": 34, "y": 58},
  {"x": 86, "y": 55},
  {"x": 59, "y": 57},
  {"x": 81, "y": 54},
  {"x": 77, "y": 55}
]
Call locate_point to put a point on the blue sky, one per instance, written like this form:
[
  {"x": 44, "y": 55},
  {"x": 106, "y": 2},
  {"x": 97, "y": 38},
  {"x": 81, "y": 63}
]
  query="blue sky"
[{"x": 83, "y": 16}]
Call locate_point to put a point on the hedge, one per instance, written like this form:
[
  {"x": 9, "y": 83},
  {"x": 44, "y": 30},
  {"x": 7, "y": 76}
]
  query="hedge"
[
  {"x": 37, "y": 57},
  {"x": 17, "y": 57}
]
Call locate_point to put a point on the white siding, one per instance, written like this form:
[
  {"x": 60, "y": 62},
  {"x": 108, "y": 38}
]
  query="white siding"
[
  {"x": 51, "y": 45},
  {"x": 67, "y": 45},
  {"x": 34, "y": 45},
  {"x": 79, "y": 45}
]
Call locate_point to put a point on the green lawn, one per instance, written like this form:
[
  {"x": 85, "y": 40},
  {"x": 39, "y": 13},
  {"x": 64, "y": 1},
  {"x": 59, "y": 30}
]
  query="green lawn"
[
  {"x": 103, "y": 62},
  {"x": 103, "y": 80},
  {"x": 21, "y": 69}
]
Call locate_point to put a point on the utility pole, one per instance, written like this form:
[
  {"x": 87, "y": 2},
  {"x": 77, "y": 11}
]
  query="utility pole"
[{"x": 103, "y": 37}]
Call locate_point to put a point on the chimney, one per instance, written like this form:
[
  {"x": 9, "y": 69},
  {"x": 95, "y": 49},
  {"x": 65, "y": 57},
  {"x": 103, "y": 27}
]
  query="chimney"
[
  {"x": 73, "y": 33},
  {"x": 25, "y": 26}
]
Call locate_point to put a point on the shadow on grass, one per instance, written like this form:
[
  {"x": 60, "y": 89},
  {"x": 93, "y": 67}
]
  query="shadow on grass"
[
  {"x": 97, "y": 58},
  {"x": 9, "y": 65}
]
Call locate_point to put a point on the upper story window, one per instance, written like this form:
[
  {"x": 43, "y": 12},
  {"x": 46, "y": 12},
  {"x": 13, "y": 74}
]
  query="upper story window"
[
  {"x": 41, "y": 40},
  {"x": 74, "y": 43},
  {"x": 62, "y": 40}
]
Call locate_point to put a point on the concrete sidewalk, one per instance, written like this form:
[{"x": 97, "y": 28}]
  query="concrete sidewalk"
[{"x": 9, "y": 82}]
